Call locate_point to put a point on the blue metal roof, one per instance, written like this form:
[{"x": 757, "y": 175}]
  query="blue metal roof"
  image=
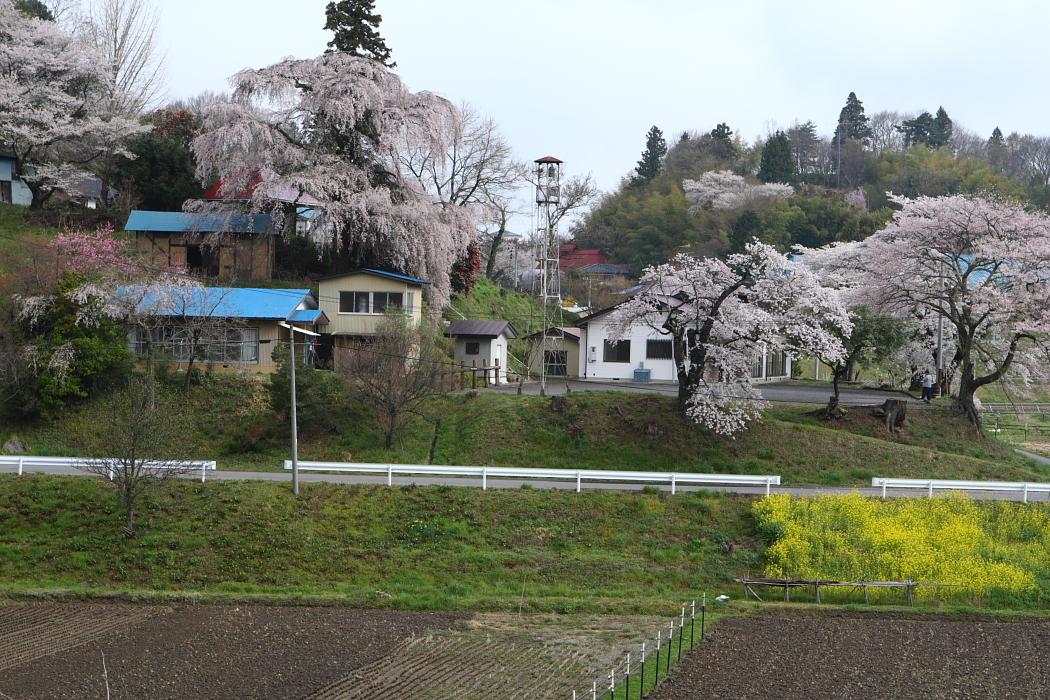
[
  {"x": 306, "y": 316},
  {"x": 378, "y": 273},
  {"x": 219, "y": 302},
  {"x": 182, "y": 222}
]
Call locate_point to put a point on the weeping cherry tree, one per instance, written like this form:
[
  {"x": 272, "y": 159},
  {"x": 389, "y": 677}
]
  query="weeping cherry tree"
[
  {"x": 324, "y": 130},
  {"x": 719, "y": 313}
]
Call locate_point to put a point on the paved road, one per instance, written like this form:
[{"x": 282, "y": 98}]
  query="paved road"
[
  {"x": 497, "y": 483},
  {"x": 793, "y": 392}
]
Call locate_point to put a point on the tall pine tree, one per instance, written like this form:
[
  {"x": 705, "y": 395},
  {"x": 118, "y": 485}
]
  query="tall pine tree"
[
  {"x": 853, "y": 123},
  {"x": 652, "y": 157},
  {"x": 778, "y": 163},
  {"x": 941, "y": 133},
  {"x": 355, "y": 24},
  {"x": 997, "y": 149}
]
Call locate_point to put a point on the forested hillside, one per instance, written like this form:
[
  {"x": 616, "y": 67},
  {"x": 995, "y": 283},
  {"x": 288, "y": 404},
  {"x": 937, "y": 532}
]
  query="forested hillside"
[{"x": 673, "y": 202}]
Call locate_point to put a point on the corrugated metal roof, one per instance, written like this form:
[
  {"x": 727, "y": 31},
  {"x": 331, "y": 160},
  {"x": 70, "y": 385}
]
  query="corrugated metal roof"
[
  {"x": 558, "y": 331},
  {"x": 307, "y": 316},
  {"x": 218, "y": 302},
  {"x": 182, "y": 222},
  {"x": 378, "y": 273},
  {"x": 481, "y": 327}
]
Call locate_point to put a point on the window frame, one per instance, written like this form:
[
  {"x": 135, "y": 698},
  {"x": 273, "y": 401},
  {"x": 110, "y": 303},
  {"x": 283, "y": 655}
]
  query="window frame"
[
  {"x": 615, "y": 349},
  {"x": 354, "y": 296},
  {"x": 663, "y": 342}
]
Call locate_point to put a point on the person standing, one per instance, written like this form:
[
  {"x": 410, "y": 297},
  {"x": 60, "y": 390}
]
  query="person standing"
[{"x": 927, "y": 386}]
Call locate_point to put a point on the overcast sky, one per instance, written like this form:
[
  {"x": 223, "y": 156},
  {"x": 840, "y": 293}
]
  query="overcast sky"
[{"x": 584, "y": 79}]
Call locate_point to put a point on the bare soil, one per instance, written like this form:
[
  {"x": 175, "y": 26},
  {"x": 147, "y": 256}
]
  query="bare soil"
[
  {"x": 56, "y": 650},
  {"x": 788, "y": 655}
]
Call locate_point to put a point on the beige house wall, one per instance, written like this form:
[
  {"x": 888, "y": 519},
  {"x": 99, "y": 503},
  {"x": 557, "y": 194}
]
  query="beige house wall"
[
  {"x": 570, "y": 346},
  {"x": 240, "y": 256},
  {"x": 363, "y": 324}
]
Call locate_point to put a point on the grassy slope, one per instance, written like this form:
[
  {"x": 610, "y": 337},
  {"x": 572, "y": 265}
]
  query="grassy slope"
[
  {"x": 436, "y": 547},
  {"x": 12, "y": 228},
  {"x": 229, "y": 420}
]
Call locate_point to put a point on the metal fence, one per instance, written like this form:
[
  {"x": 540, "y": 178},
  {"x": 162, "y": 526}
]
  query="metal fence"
[
  {"x": 580, "y": 476},
  {"x": 635, "y": 676},
  {"x": 22, "y": 463},
  {"x": 931, "y": 485}
]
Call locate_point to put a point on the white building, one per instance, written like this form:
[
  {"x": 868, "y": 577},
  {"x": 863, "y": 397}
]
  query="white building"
[
  {"x": 647, "y": 355},
  {"x": 482, "y": 344}
]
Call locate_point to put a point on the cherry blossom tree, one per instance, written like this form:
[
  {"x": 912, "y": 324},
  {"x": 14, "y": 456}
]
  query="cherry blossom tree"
[
  {"x": 97, "y": 251},
  {"x": 325, "y": 128},
  {"x": 53, "y": 87},
  {"x": 725, "y": 190},
  {"x": 719, "y": 313},
  {"x": 980, "y": 264}
]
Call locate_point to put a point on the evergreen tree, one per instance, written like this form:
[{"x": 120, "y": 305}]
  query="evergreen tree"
[
  {"x": 997, "y": 149},
  {"x": 853, "y": 123},
  {"x": 918, "y": 130},
  {"x": 722, "y": 133},
  {"x": 652, "y": 157},
  {"x": 778, "y": 163},
  {"x": 941, "y": 133},
  {"x": 355, "y": 25},
  {"x": 35, "y": 9}
]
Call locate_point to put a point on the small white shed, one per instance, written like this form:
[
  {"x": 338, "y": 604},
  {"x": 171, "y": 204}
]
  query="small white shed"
[{"x": 482, "y": 344}]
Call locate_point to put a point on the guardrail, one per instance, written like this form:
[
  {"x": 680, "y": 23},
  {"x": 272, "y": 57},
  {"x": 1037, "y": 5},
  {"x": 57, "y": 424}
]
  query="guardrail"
[
  {"x": 931, "y": 485},
  {"x": 578, "y": 475},
  {"x": 23, "y": 461}
]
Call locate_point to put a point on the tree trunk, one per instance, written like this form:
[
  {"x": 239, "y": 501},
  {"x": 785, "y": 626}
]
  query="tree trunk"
[
  {"x": 434, "y": 440},
  {"x": 833, "y": 409},
  {"x": 964, "y": 403},
  {"x": 490, "y": 266}
]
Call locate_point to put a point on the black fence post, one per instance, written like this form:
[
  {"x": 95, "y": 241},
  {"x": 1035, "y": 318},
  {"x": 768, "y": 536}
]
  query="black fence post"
[
  {"x": 658, "y": 633},
  {"x": 703, "y": 613},
  {"x": 692, "y": 624},
  {"x": 641, "y": 684}
]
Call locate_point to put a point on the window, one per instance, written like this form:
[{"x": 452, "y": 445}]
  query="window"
[
  {"x": 658, "y": 350},
  {"x": 473, "y": 347},
  {"x": 556, "y": 363},
  {"x": 5, "y": 191},
  {"x": 381, "y": 301},
  {"x": 222, "y": 346},
  {"x": 353, "y": 302},
  {"x": 411, "y": 307},
  {"x": 617, "y": 351},
  {"x": 776, "y": 364}
]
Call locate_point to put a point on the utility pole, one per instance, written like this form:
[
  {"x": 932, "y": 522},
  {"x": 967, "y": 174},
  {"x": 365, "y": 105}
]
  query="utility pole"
[{"x": 292, "y": 330}]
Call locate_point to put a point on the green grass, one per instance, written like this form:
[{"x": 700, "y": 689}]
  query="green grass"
[
  {"x": 434, "y": 547},
  {"x": 14, "y": 228},
  {"x": 228, "y": 419},
  {"x": 488, "y": 300}
]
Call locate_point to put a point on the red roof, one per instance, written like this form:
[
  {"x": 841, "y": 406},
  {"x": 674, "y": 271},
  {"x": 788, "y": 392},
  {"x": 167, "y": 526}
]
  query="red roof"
[
  {"x": 548, "y": 159},
  {"x": 571, "y": 257}
]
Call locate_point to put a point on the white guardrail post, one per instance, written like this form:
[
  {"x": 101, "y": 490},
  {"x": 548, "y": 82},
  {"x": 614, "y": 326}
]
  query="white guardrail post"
[
  {"x": 579, "y": 476},
  {"x": 1024, "y": 488}
]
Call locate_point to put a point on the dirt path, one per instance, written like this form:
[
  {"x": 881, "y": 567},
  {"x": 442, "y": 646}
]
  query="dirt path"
[
  {"x": 55, "y": 650},
  {"x": 788, "y": 656}
]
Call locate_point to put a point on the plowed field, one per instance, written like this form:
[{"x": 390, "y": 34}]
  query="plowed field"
[
  {"x": 72, "y": 650},
  {"x": 799, "y": 656},
  {"x": 57, "y": 650}
]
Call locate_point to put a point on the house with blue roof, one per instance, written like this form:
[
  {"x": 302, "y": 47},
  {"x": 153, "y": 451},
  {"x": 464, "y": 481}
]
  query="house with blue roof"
[
  {"x": 216, "y": 245},
  {"x": 226, "y": 327},
  {"x": 354, "y": 302}
]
